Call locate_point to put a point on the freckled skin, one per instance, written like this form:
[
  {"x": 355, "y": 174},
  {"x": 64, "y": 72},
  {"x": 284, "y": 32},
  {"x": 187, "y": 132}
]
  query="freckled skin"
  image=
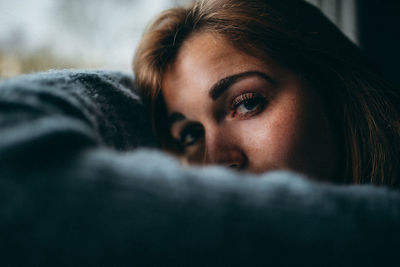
[{"x": 292, "y": 132}]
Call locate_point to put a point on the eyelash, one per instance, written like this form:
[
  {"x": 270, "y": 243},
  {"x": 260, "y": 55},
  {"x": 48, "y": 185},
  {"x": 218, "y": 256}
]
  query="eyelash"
[{"x": 246, "y": 97}]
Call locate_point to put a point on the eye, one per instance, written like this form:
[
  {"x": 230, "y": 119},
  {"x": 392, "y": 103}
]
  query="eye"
[
  {"x": 191, "y": 135},
  {"x": 248, "y": 104}
]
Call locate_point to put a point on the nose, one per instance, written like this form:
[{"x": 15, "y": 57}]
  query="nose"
[{"x": 223, "y": 149}]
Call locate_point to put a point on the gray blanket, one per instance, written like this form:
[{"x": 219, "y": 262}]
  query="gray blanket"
[{"x": 81, "y": 183}]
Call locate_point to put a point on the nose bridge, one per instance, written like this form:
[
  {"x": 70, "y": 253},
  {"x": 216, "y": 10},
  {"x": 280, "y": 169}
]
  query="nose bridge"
[
  {"x": 222, "y": 147},
  {"x": 215, "y": 141}
]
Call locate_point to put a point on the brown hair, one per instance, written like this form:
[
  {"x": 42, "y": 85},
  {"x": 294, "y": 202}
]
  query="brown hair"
[{"x": 362, "y": 105}]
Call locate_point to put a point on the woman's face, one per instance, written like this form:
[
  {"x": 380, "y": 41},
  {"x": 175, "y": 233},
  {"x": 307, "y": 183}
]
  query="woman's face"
[{"x": 228, "y": 108}]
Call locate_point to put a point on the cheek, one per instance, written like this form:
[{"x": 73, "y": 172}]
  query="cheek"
[
  {"x": 295, "y": 135},
  {"x": 270, "y": 141},
  {"x": 276, "y": 138}
]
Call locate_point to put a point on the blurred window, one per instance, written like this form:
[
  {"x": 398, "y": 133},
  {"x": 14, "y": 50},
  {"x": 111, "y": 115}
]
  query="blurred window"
[
  {"x": 45, "y": 34},
  {"x": 38, "y": 35},
  {"x": 343, "y": 13}
]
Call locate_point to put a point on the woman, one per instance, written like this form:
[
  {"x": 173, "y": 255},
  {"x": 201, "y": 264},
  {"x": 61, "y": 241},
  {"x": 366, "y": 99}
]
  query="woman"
[{"x": 260, "y": 85}]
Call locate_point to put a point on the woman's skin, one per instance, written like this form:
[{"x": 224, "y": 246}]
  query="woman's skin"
[{"x": 228, "y": 108}]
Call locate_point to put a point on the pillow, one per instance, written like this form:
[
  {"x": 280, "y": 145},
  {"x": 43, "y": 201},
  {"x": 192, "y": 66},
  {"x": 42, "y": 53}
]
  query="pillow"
[{"x": 81, "y": 184}]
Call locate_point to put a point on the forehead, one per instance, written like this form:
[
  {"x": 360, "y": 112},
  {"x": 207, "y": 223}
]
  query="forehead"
[
  {"x": 203, "y": 48},
  {"x": 203, "y": 60}
]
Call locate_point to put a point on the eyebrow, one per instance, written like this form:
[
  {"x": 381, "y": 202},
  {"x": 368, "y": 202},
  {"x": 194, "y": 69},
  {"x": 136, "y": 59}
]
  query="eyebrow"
[
  {"x": 175, "y": 117},
  {"x": 222, "y": 85}
]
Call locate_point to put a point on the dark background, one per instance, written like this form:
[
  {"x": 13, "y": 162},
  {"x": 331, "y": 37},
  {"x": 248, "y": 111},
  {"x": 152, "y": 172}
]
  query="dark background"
[{"x": 379, "y": 35}]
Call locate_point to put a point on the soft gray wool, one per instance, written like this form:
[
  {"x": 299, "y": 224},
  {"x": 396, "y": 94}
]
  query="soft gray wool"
[{"x": 75, "y": 189}]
